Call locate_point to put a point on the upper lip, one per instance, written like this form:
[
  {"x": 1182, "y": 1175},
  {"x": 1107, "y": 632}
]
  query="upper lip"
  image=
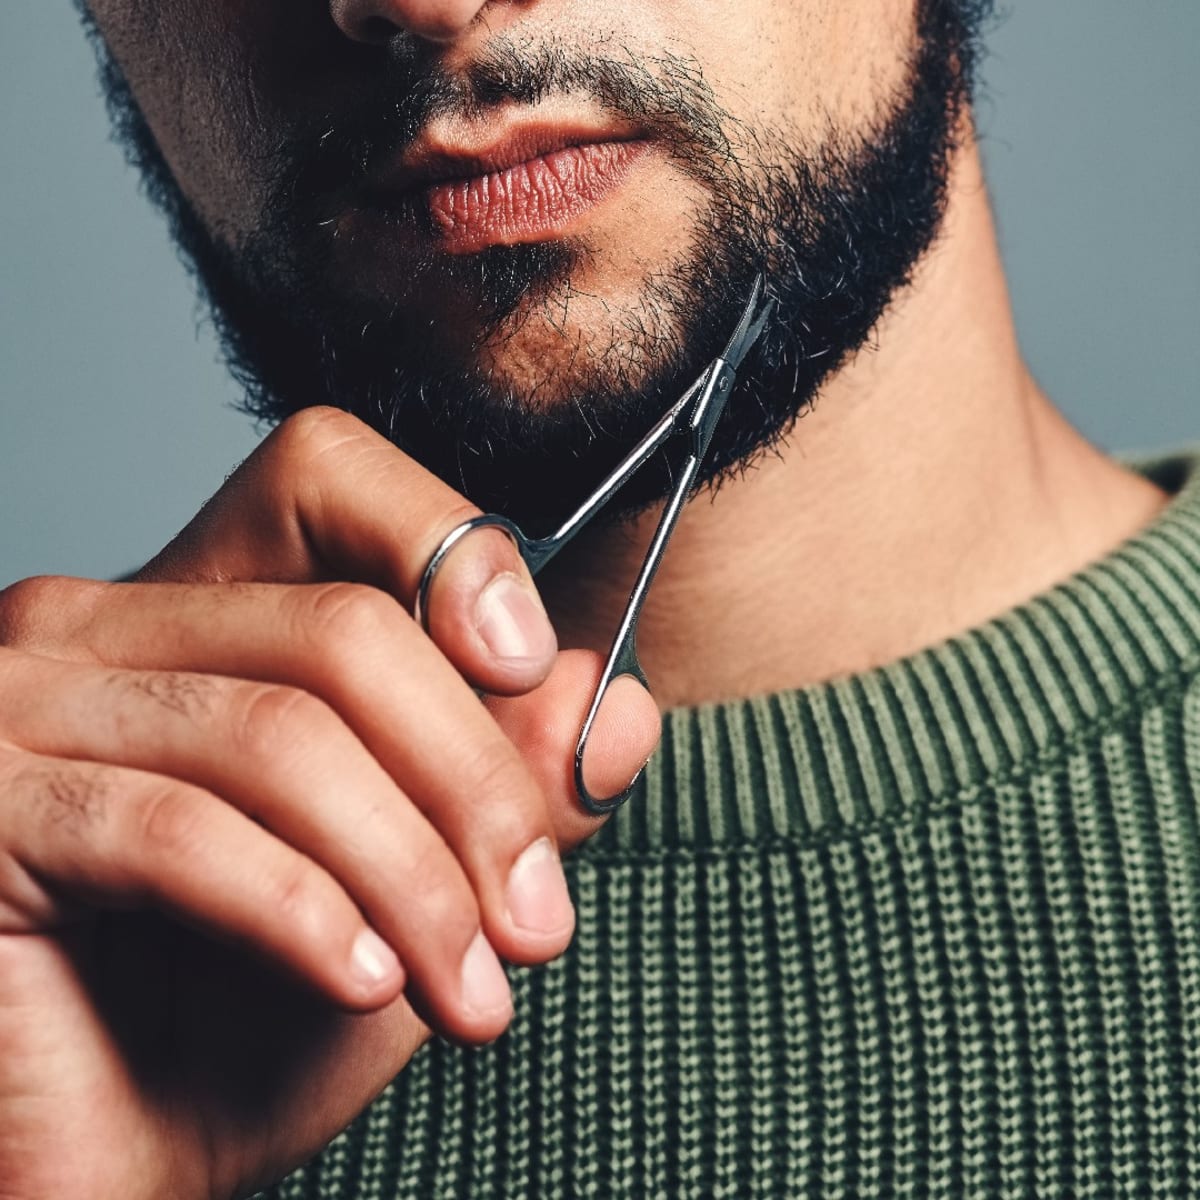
[{"x": 430, "y": 159}]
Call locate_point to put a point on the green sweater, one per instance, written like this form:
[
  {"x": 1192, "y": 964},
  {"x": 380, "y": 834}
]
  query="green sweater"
[{"x": 931, "y": 931}]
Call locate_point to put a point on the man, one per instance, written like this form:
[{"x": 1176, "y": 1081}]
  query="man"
[{"x": 907, "y": 902}]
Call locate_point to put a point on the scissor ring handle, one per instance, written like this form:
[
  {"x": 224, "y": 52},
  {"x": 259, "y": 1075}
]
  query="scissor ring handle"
[
  {"x": 456, "y": 535},
  {"x": 622, "y": 662},
  {"x": 603, "y": 808}
]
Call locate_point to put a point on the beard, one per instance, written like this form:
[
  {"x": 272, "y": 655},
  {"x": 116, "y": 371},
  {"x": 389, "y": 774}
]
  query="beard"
[{"x": 837, "y": 231}]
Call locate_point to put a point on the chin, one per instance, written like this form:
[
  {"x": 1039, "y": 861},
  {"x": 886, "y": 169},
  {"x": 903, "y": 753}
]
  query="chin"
[
  {"x": 594, "y": 324},
  {"x": 541, "y": 363}
]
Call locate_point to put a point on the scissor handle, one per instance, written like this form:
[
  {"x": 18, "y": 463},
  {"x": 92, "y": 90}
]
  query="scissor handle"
[
  {"x": 703, "y": 403},
  {"x": 456, "y": 535},
  {"x": 622, "y": 660}
]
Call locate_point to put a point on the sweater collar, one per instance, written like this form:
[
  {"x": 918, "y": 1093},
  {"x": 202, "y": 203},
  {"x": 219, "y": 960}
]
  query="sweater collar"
[{"x": 938, "y": 727}]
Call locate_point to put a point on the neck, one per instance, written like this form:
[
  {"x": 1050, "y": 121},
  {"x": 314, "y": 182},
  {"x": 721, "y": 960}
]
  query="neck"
[{"x": 931, "y": 487}]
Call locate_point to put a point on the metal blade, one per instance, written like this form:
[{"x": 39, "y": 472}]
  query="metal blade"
[{"x": 750, "y": 327}]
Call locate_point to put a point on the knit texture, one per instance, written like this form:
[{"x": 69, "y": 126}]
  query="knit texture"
[{"x": 930, "y": 931}]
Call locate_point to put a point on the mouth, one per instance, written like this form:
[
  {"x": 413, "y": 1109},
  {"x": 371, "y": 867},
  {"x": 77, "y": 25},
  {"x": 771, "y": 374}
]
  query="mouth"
[{"x": 531, "y": 185}]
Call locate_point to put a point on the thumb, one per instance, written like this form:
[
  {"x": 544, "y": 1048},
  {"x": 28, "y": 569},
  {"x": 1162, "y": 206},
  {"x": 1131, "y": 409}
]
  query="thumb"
[{"x": 544, "y": 726}]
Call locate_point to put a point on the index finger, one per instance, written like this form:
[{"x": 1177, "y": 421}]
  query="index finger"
[{"x": 327, "y": 498}]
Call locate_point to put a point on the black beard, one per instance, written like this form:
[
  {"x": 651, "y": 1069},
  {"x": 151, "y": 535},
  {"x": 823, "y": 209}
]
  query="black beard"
[{"x": 837, "y": 235}]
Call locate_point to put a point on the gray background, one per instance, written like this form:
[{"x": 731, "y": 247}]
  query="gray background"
[{"x": 116, "y": 421}]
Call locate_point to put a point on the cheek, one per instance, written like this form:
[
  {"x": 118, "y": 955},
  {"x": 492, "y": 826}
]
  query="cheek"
[
  {"x": 189, "y": 65},
  {"x": 801, "y": 65}
]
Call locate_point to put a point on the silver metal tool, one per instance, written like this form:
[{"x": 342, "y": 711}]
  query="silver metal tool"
[{"x": 694, "y": 416}]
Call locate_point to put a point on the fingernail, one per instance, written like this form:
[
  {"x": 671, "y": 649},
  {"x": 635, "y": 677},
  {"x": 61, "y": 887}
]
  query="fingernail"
[
  {"x": 538, "y": 900},
  {"x": 485, "y": 988},
  {"x": 512, "y": 621},
  {"x": 373, "y": 959}
]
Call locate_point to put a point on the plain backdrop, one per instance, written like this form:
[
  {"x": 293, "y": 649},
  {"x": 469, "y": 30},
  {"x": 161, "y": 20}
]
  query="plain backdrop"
[{"x": 116, "y": 421}]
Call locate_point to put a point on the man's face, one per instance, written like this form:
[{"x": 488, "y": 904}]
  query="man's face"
[{"x": 510, "y": 241}]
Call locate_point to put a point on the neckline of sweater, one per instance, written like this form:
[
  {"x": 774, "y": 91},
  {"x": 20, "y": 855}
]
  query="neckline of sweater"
[{"x": 942, "y": 726}]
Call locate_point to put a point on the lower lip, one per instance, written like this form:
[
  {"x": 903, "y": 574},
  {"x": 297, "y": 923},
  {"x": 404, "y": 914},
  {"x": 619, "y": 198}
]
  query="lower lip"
[{"x": 531, "y": 201}]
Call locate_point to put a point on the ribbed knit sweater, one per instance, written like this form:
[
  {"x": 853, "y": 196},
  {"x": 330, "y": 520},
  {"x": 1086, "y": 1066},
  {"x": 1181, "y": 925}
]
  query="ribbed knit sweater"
[{"x": 929, "y": 931}]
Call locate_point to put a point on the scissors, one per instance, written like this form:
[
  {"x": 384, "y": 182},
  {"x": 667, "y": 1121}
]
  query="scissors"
[{"x": 694, "y": 417}]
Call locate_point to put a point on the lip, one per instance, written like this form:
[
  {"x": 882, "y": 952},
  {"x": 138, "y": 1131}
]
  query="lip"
[
  {"x": 438, "y": 159},
  {"x": 527, "y": 185}
]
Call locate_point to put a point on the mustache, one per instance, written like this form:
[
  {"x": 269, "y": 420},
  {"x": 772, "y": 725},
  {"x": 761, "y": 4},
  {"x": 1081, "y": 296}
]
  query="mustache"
[{"x": 667, "y": 96}]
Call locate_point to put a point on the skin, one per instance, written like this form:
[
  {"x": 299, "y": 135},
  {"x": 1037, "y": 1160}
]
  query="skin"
[
  {"x": 217, "y": 128},
  {"x": 932, "y": 487},
  {"x": 251, "y": 739}
]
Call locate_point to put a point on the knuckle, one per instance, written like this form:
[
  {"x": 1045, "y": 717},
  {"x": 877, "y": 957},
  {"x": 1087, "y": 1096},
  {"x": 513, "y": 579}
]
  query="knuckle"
[
  {"x": 496, "y": 774},
  {"x": 302, "y": 900},
  {"x": 170, "y": 824},
  {"x": 342, "y": 619},
  {"x": 273, "y": 718},
  {"x": 312, "y": 433},
  {"x": 441, "y": 890},
  {"x": 462, "y": 511},
  {"x": 421, "y": 884},
  {"x": 31, "y": 607}
]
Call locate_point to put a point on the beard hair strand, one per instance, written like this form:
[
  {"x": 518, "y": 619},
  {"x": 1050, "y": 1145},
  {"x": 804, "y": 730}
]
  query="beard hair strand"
[{"x": 837, "y": 233}]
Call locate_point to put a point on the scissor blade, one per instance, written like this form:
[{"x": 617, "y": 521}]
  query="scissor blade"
[
  {"x": 750, "y": 327},
  {"x": 737, "y": 354}
]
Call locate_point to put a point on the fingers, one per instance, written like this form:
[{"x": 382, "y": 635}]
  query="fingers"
[
  {"x": 128, "y": 838},
  {"x": 356, "y": 650},
  {"x": 446, "y": 889},
  {"x": 544, "y": 726},
  {"x": 340, "y": 696},
  {"x": 342, "y": 644},
  {"x": 346, "y": 645},
  {"x": 326, "y": 497}
]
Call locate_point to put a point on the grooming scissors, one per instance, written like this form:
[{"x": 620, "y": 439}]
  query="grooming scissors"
[{"x": 694, "y": 416}]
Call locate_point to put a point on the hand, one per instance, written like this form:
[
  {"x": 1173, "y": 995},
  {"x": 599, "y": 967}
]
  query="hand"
[{"x": 257, "y": 832}]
